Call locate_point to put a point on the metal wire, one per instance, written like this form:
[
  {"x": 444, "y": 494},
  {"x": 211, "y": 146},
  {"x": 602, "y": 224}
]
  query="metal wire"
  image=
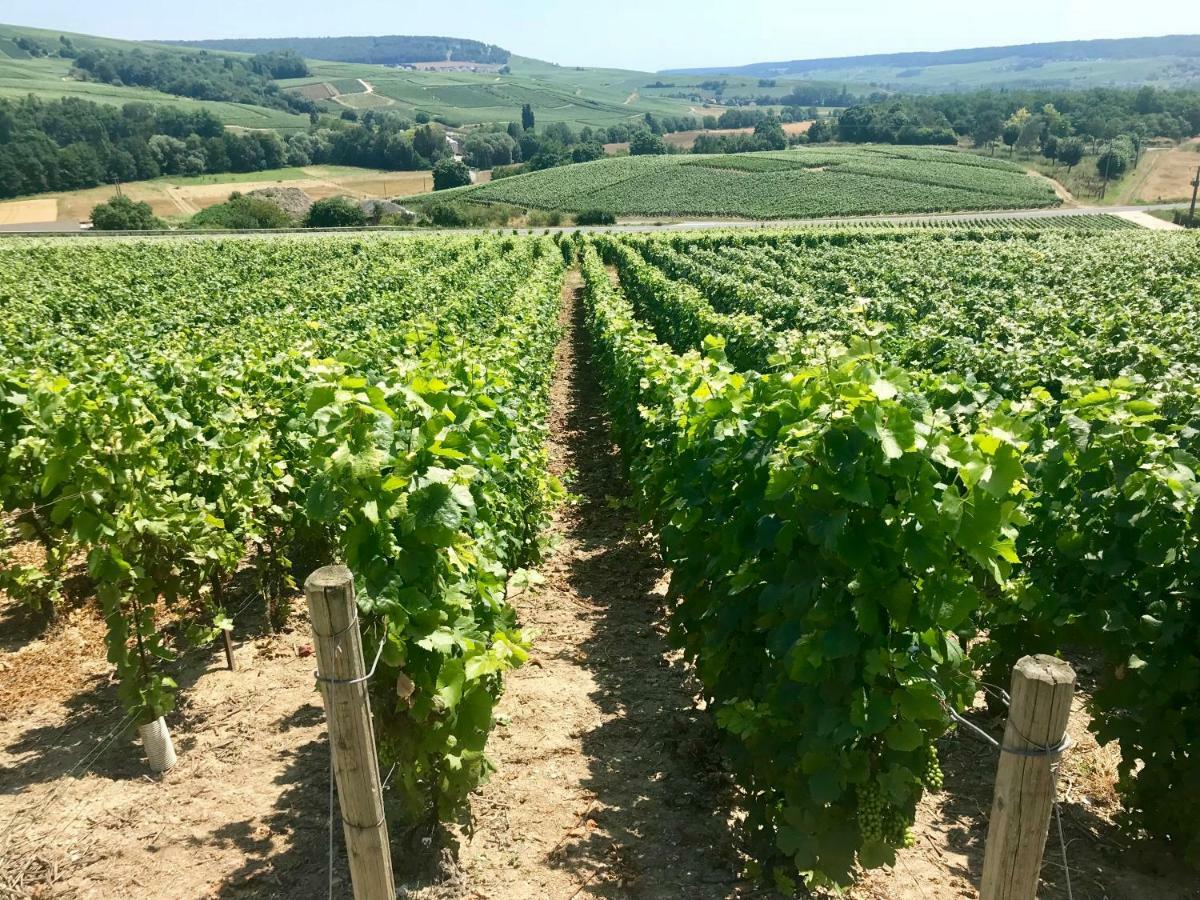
[{"x": 1036, "y": 751}]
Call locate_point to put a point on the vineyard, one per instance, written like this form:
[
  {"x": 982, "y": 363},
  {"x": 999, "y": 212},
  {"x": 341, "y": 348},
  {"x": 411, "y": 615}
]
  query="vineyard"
[
  {"x": 803, "y": 183},
  {"x": 381, "y": 403},
  {"x": 878, "y": 465},
  {"x": 863, "y": 453}
]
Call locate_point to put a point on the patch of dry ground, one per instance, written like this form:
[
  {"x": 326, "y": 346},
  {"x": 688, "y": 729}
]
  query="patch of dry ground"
[
  {"x": 1166, "y": 175},
  {"x": 29, "y": 212},
  {"x": 242, "y": 814},
  {"x": 169, "y": 199}
]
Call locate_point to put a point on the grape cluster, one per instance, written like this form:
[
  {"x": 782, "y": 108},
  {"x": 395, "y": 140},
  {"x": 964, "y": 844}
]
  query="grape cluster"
[
  {"x": 931, "y": 770},
  {"x": 879, "y": 821}
]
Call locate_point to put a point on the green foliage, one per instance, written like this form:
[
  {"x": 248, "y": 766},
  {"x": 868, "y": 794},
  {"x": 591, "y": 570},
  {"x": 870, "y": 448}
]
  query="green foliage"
[
  {"x": 1099, "y": 474},
  {"x": 807, "y": 182},
  {"x": 464, "y": 214},
  {"x": 382, "y": 403},
  {"x": 595, "y": 217},
  {"x": 123, "y": 214},
  {"x": 201, "y": 76},
  {"x": 383, "y": 50},
  {"x": 830, "y": 535},
  {"x": 241, "y": 211},
  {"x": 335, "y": 212},
  {"x": 450, "y": 173},
  {"x": 646, "y": 143}
]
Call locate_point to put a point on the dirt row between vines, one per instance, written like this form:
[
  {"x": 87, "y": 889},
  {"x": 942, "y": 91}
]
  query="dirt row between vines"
[{"x": 609, "y": 778}]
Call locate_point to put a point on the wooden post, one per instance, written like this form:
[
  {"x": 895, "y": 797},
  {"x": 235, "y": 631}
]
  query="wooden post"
[
  {"x": 218, "y": 590},
  {"x": 330, "y": 595},
  {"x": 1042, "y": 688}
]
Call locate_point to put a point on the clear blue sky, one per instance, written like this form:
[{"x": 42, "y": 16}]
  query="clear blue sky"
[{"x": 642, "y": 34}]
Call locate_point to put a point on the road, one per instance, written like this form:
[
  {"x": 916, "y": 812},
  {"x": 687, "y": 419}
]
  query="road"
[{"x": 648, "y": 225}]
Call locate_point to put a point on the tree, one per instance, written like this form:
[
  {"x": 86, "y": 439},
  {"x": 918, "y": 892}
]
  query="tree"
[
  {"x": 335, "y": 212},
  {"x": 1070, "y": 152},
  {"x": 527, "y": 119},
  {"x": 986, "y": 129},
  {"x": 1113, "y": 162},
  {"x": 429, "y": 141},
  {"x": 820, "y": 132},
  {"x": 771, "y": 133},
  {"x": 1015, "y": 127},
  {"x": 646, "y": 143},
  {"x": 1050, "y": 148},
  {"x": 450, "y": 173},
  {"x": 123, "y": 214}
]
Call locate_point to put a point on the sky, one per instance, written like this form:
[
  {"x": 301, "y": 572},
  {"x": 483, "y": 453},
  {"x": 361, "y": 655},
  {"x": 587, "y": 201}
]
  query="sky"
[{"x": 637, "y": 34}]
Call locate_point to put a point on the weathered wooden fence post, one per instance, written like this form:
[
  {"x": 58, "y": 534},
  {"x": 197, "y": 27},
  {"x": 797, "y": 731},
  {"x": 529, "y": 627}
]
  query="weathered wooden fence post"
[
  {"x": 342, "y": 677},
  {"x": 1042, "y": 689}
]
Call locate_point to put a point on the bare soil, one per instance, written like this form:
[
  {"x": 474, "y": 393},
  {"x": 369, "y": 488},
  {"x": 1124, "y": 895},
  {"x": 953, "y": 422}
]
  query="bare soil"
[
  {"x": 1168, "y": 175},
  {"x": 609, "y": 780}
]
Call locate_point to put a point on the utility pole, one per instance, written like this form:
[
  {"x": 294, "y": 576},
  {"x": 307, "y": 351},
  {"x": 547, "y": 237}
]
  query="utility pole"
[
  {"x": 1195, "y": 190},
  {"x": 1107, "y": 165}
]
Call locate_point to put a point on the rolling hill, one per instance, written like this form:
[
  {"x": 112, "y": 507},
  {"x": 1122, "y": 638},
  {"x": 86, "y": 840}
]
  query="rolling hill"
[
  {"x": 386, "y": 50},
  {"x": 801, "y": 183},
  {"x": 1170, "y": 61},
  {"x": 49, "y": 78},
  {"x": 576, "y": 96}
]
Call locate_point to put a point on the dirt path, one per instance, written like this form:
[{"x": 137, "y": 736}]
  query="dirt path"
[
  {"x": 1145, "y": 220},
  {"x": 608, "y": 784},
  {"x": 1067, "y": 198}
]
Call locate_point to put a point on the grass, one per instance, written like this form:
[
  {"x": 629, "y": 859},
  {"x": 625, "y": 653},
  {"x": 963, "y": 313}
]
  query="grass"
[
  {"x": 806, "y": 183},
  {"x": 1084, "y": 181},
  {"x": 1014, "y": 73},
  {"x": 49, "y": 79},
  {"x": 577, "y": 96}
]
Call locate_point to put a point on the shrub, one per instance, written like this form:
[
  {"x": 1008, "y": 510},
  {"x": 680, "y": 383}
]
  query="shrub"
[
  {"x": 544, "y": 218},
  {"x": 595, "y": 217},
  {"x": 241, "y": 212},
  {"x": 123, "y": 214},
  {"x": 335, "y": 212},
  {"x": 450, "y": 173},
  {"x": 464, "y": 214}
]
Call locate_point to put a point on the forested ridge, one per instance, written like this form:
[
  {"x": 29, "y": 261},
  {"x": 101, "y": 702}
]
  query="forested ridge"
[{"x": 387, "y": 50}]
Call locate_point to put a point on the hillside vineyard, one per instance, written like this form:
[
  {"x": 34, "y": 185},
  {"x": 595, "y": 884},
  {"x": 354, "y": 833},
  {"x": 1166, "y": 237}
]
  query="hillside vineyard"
[{"x": 880, "y": 464}]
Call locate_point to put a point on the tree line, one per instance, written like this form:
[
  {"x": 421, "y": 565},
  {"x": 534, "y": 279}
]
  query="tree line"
[
  {"x": 987, "y": 117},
  {"x": 72, "y": 143},
  {"x": 201, "y": 76}
]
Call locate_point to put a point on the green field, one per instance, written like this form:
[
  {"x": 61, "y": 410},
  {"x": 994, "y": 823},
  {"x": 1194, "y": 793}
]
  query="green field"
[
  {"x": 49, "y": 79},
  {"x": 1166, "y": 62},
  {"x": 803, "y": 183},
  {"x": 575, "y": 96}
]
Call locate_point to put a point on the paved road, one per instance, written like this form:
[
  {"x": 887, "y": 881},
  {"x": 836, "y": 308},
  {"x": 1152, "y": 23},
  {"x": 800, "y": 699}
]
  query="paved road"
[{"x": 70, "y": 228}]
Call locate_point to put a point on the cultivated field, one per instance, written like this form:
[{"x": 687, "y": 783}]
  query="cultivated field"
[
  {"x": 802, "y": 183},
  {"x": 685, "y": 140},
  {"x": 49, "y": 79},
  {"x": 181, "y": 197},
  {"x": 877, "y": 466}
]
